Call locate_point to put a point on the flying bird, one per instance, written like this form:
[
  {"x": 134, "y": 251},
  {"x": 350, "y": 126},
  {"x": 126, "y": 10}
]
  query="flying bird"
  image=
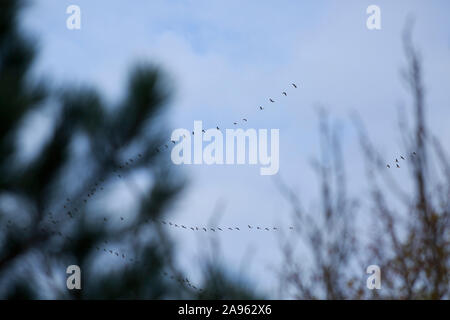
[
  {"x": 402, "y": 158},
  {"x": 261, "y": 108},
  {"x": 285, "y": 93},
  {"x": 398, "y": 166},
  {"x": 294, "y": 85},
  {"x": 249, "y": 226},
  {"x": 271, "y": 100},
  {"x": 388, "y": 166},
  {"x": 244, "y": 120}
]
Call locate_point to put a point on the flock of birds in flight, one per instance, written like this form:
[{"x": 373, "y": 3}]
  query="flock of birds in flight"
[
  {"x": 72, "y": 209},
  {"x": 165, "y": 146},
  {"x": 401, "y": 158}
]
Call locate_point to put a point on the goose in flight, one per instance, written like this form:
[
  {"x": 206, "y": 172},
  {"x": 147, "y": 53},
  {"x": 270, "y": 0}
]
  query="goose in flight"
[
  {"x": 244, "y": 120},
  {"x": 271, "y": 100},
  {"x": 294, "y": 85},
  {"x": 402, "y": 158},
  {"x": 284, "y": 93},
  {"x": 235, "y": 123},
  {"x": 388, "y": 166},
  {"x": 398, "y": 166},
  {"x": 261, "y": 108}
]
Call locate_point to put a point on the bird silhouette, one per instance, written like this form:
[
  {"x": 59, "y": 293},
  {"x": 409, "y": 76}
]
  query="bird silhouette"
[
  {"x": 388, "y": 166},
  {"x": 294, "y": 85},
  {"x": 261, "y": 108},
  {"x": 402, "y": 158},
  {"x": 271, "y": 100},
  {"x": 244, "y": 120},
  {"x": 249, "y": 226},
  {"x": 398, "y": 166},
  {"x": 285, "y": 93}
]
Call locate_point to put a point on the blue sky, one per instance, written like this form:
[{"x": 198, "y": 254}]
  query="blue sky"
[{"x": 226, "y": 58}]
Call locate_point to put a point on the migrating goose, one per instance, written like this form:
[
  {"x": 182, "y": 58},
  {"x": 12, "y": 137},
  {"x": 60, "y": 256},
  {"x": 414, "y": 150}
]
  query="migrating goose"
[
  {"x": 294, "y": 85},
  {"x": 285, "y": 93}
]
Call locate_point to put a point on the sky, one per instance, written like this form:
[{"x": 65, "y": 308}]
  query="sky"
[{"x": 223, "y": 59}]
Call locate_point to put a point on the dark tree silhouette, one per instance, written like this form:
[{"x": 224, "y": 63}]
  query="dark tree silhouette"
[{"x": 53, "y": 204}]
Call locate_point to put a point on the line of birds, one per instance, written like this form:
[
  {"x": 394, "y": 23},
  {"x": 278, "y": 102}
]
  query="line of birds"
[
  {"x": 125, "y": 258},
  {"x": 165, "y": 146},
  {"x": 214, "y": 229},
  {"x": 396, "y": 163}
]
